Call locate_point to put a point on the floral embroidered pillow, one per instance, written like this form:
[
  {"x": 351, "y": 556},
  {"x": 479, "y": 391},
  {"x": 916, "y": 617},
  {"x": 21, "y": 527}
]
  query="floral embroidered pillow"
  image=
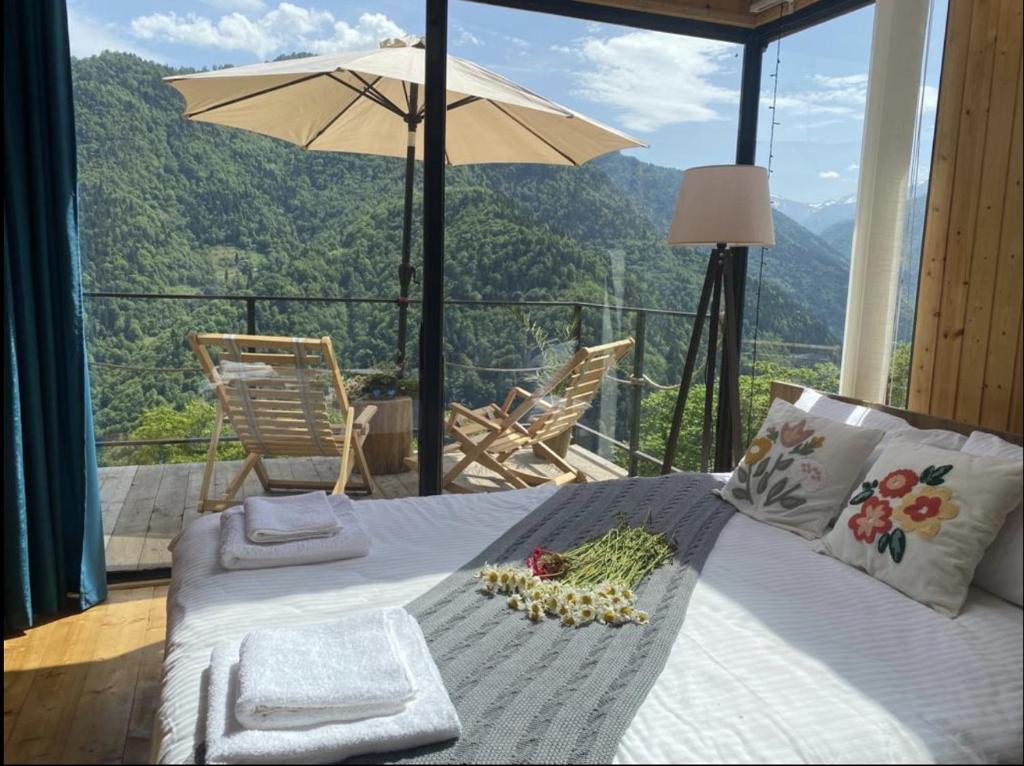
[
  {"x": 923, "y": 518},
  {"x": 798, "y": 471}
]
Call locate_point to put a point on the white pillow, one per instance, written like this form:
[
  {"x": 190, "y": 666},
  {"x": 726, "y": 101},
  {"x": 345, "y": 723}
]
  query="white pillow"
[
  {"x": 1001, "y": 571},
  {"x": 822, "y": 405},
  {"x": 923, "y": 519},
  {"x": 930, "y": 437},
  {"x": 799, "y": 470}
]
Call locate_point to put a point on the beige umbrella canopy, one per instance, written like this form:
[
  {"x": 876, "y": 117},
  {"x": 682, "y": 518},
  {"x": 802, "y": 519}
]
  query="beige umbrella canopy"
[{"x": 368, "y": 103}]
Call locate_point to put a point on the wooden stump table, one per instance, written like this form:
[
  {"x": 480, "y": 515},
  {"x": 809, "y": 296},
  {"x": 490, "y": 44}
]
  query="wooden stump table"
[{"x": 390, "y": 439}]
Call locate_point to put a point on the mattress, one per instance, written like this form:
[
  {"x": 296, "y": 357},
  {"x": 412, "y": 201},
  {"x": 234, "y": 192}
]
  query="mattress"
[{"x": 785, "y": 655}]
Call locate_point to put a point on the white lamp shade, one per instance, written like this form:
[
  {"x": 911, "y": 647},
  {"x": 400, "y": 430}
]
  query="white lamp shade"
[{"x": 727, "y": 204}]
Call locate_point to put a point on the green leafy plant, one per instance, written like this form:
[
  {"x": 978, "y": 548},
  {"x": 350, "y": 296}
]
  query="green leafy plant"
[{"x": 380, "y": 384}]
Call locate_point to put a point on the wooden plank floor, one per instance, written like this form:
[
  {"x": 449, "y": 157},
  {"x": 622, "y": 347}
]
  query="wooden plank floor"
[
  {"x": 145, "y": 506},
  {"x": 85, "y": 688}
]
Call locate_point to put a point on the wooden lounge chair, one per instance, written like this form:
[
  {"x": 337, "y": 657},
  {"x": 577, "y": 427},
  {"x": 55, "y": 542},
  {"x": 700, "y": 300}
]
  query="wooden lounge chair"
[
  {"x": 274, "y": 393},
  {"x": 490, "y": 435}
]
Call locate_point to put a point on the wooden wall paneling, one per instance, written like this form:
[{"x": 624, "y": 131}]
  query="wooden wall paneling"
[
  {"x": 1004, "y": 348},
  {"x": 970, "y": 152},
  {"x": 986, "y": 239},
  {"x": 933, "y": 253}
]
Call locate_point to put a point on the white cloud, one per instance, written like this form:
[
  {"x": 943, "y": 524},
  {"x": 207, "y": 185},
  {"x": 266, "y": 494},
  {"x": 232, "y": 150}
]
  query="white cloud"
[
  {"x": 468, "y": 38},
  {"x": 242, "y": 6},
  {"x": 654, "y": 79},
  {"x": 88, "y": 37},
  {"x": 366, "y": 33},
  {"x": 842, "y": 97},
  {"x": 852, "y": 167},
  {"x": 828, "y": 175},
  {"x": 287, "y": 27}
]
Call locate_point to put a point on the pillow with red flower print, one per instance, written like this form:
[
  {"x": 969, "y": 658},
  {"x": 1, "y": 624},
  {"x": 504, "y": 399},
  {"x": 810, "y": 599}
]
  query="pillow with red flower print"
[
  {"x": 799, "y": 470},
  {"x": 923, "y": 518}
]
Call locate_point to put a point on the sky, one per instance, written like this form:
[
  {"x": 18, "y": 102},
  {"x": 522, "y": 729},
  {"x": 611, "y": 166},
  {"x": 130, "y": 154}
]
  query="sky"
[{"x": 677, "y": 94}]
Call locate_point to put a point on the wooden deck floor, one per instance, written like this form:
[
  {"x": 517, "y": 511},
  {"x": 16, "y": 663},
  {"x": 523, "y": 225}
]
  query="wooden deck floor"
[{"x": 145, "y": 506}]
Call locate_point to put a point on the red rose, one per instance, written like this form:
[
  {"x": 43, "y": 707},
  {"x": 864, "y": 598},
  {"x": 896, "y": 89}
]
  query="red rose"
[{"x": 534, "y": 562}]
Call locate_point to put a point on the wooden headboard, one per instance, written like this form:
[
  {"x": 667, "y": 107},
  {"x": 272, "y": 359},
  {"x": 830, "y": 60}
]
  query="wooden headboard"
[{"x": 790, "y": 392}]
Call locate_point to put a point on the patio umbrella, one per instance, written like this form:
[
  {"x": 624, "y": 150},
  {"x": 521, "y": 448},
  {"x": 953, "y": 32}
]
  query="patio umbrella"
[{"x": 369, "y": 103}]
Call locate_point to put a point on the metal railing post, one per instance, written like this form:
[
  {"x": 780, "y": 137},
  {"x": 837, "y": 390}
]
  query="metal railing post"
[
  {"x": 637, "y": 383},
  {"x": 250, "y": 316},
  {"x": 577, "y": 324}
]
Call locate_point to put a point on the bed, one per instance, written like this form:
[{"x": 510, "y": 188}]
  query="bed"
[{"x": 811, "y": 660}]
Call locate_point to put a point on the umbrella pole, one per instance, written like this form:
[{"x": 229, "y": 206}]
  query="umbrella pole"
[{"x": 405, "y": 270}]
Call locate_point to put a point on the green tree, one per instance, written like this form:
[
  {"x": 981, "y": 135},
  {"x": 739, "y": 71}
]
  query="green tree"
[{"x": 194, "y": 420}]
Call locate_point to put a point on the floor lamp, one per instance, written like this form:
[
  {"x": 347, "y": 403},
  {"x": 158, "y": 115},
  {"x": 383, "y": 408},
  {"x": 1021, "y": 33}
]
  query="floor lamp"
[{"x": 724, "y": 206}]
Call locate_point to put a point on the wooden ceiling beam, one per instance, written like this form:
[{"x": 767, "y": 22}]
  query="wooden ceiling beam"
[
  {"x": 728, "y": 20},
  {"x": 735, "y": 13}
]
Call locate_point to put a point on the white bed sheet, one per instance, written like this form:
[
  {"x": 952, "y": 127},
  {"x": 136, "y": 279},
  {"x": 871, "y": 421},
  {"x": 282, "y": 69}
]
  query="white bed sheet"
[{"x": 785, "y": 655}]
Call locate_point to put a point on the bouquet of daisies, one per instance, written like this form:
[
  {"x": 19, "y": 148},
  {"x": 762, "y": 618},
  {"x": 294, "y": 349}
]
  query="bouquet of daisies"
[{"x": 593, "y": 582}]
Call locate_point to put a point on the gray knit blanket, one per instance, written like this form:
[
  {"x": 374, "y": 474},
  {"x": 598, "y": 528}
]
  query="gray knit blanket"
[{"x": 544, "y": 693}]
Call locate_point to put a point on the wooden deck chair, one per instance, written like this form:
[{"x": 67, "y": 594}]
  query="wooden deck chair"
[
  {"x": 491, "y": 435},
  {"x": 274, "y": 393}
]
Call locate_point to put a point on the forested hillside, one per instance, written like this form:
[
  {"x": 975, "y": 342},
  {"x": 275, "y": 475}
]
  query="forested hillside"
[{"x": 178, "y": 207}]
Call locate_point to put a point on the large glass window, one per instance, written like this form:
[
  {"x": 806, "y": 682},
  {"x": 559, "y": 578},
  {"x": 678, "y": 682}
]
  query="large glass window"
[
  {"x": 810, "y": 132},
  {"x": 809, "y": 135},
  {"x": 591, "y": 238},
  {"x": 189, "y": 226},
  {"x": 238, "y": 232}
]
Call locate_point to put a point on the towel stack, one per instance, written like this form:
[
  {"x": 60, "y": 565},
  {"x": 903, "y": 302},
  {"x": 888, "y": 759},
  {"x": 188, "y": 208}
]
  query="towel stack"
[
  {"x": 288, "y": 531},
  {"x": 323, "y": 693}
]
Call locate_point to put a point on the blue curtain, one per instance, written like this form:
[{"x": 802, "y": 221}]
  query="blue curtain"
[{"x": 53, "y": 533}]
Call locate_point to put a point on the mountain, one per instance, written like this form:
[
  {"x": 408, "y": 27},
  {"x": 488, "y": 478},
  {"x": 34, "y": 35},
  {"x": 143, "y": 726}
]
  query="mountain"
[
  {"x": 171, "y": 206},
  {"x": 818, "y": 216},
  {"x": 839, "y": 236},
  {"x": 805, "y": 278}
]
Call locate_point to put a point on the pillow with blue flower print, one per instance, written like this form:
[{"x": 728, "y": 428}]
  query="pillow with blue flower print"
[
  {"x": 798, "y": 471},
  {"x": 923, "y": 518}
]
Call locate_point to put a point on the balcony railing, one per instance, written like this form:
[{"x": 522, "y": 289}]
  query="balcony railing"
[{"x": 636, "y": 381}]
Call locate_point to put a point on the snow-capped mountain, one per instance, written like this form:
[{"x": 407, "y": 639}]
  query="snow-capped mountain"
[{"x": 818, "y": 216}]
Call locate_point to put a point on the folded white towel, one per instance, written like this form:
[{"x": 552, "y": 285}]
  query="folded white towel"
[
  {"x": 295, "y": 517},
  {"x": 236, "y": 552},
  {"x": 317, "y": 674},
  {"x": 430, "y": 717}
]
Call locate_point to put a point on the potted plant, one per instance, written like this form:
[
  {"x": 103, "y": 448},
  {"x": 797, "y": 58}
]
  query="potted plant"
[{"x": 380, "y": 384}]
